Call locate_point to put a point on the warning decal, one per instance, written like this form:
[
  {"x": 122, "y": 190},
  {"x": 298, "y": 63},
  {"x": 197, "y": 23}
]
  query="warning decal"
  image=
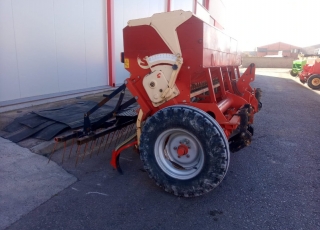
[{"x": 126, "y": 63}]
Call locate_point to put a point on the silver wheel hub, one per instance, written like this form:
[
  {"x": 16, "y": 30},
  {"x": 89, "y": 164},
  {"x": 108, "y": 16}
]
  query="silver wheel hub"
[{"x": 179, "y": 154}]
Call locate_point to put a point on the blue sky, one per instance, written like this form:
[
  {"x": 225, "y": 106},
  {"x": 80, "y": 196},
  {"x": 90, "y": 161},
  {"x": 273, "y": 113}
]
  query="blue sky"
[{"x": 259, "y": 22}]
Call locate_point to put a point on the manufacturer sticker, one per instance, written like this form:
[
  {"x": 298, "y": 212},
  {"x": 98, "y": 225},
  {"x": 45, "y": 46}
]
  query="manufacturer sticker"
[{"x": 126, "y": 63}]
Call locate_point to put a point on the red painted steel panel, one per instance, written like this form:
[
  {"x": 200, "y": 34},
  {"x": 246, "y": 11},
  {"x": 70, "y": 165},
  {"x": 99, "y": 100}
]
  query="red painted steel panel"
[
  {"x": 204, "y": 48},
  {"x": 111, "y": 43}
]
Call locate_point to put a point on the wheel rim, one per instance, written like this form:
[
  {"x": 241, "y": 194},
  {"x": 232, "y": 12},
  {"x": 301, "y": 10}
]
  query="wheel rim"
[
  {"x": 179, "y": 154},
  {"x": 315, "y": 82}
]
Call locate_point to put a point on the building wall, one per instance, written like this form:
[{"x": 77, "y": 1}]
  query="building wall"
[
  {"x": 310, "y": 49},
  {"x": 273, "y": 49},
  {"x": 51, "y": 46},
  {"x": 268, "y": 62},
  {"x": 186, "y": 5},
  {"x": 218, "y": 10}
]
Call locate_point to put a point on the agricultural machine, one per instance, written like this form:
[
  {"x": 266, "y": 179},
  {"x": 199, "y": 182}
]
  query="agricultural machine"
[
  {"x": 311, "y": 74},
  {"x": 304, "y": 59},
  {"x": 194, "y": 107},
  {"x": 297, "y": 66}
]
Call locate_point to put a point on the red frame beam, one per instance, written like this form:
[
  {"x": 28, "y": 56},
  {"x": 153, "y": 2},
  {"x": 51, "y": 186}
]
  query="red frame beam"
[
  {"x": 168, "y": 5},
  {"x": 111, "y": 44},
  {"x": 206, "y": 4}
]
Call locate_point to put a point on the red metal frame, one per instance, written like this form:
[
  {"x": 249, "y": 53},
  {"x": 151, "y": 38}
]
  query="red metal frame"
[
  {"x": 206, "y": 4},
  {"x": 168, "y": 5},
  {"x": 111, "y": 42},
  {"x": 116, "y": 153},
  {"x": 206, "y": 63}
]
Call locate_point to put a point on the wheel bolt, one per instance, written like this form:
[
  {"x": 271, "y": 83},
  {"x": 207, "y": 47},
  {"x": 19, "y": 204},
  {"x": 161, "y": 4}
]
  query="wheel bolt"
[
  {"x": 187, "y": 156},
  {"x": 175, "y": 148}
]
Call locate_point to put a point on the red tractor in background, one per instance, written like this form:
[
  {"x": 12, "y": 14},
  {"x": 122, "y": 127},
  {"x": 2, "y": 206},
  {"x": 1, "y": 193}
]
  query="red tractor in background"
[{"x": 311, "y": 74}]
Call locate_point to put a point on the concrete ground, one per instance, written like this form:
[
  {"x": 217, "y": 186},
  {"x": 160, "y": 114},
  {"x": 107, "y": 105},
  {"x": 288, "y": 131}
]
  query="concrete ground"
[
  {"x": 27, "y": 181},
  {"x": 272, "y": 184}
]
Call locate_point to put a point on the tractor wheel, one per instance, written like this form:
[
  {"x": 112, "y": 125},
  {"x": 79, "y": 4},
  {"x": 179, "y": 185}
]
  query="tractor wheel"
[
  {"x": 314, "y": 81},
  {"x": 184, "y": 150},
  {"x": 293, "y": 74}
]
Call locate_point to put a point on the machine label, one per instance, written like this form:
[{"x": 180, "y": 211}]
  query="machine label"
[{"x": 126, "y": 63}]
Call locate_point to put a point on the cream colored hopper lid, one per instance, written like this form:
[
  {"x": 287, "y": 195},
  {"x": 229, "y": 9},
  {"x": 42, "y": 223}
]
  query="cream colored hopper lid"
[{"x": 166, "y": 24}]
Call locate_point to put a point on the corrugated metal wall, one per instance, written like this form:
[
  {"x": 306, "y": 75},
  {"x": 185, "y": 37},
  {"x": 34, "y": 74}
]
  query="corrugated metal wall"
[
  {"x": 51, "y": 46},
  {"x": 55, "y": 46}
]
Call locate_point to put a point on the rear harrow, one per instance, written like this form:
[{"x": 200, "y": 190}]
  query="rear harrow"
[{"x": 113, "y": 128}]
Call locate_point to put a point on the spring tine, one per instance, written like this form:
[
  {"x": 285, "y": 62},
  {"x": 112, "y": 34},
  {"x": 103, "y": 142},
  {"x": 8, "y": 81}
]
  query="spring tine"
[
  {"x": 126, "y": 132},
  {"x": 107, "y": 141},
  {"x": 64, "y": 150},
  {"x": 77, "y": 151},
  {"x": 129, "y": 131},
  {"x": 119, "y": 137},
  {"x": 115, "y": 141},
  {"x": 54, "y": 148},
  {"x": 132, "y": 128},
  {"x": 71, "y": 148},
  {"x": 102, "y": 140},
  {"x": 84, "y": 153},
  {"x": 93, "y": 147},
  {"x": 112, "y": 138},
  {"x": 91, "y": 144},
  {"x": 135, "y": 128}
]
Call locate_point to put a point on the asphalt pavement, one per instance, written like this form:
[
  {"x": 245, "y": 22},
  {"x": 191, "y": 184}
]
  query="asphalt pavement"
[
  {"x": 27, "y": 181},
  {"x": 272, "y": 184}
]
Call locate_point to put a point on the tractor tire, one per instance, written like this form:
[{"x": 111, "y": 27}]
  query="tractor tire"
[
  {"x": 184, "y": 150},
  {"x": 314, "y": 81},
  {"x": 293, "y": 74}
]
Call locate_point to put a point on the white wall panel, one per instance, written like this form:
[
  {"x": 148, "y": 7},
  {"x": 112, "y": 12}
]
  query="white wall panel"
[
  {"x": 96, "y": 42},
  {"x": 186, "y": 5},
  {"x": 51, "y": 46},
  {"x": 35, "y": 42},
  {"x": 9, "y": 78},
  {"x": 121, "y": 73},
  {"x": 125, "y": 11},
  {"x": 217, "y": 10},
  {"x": 70, "y": 40}
]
